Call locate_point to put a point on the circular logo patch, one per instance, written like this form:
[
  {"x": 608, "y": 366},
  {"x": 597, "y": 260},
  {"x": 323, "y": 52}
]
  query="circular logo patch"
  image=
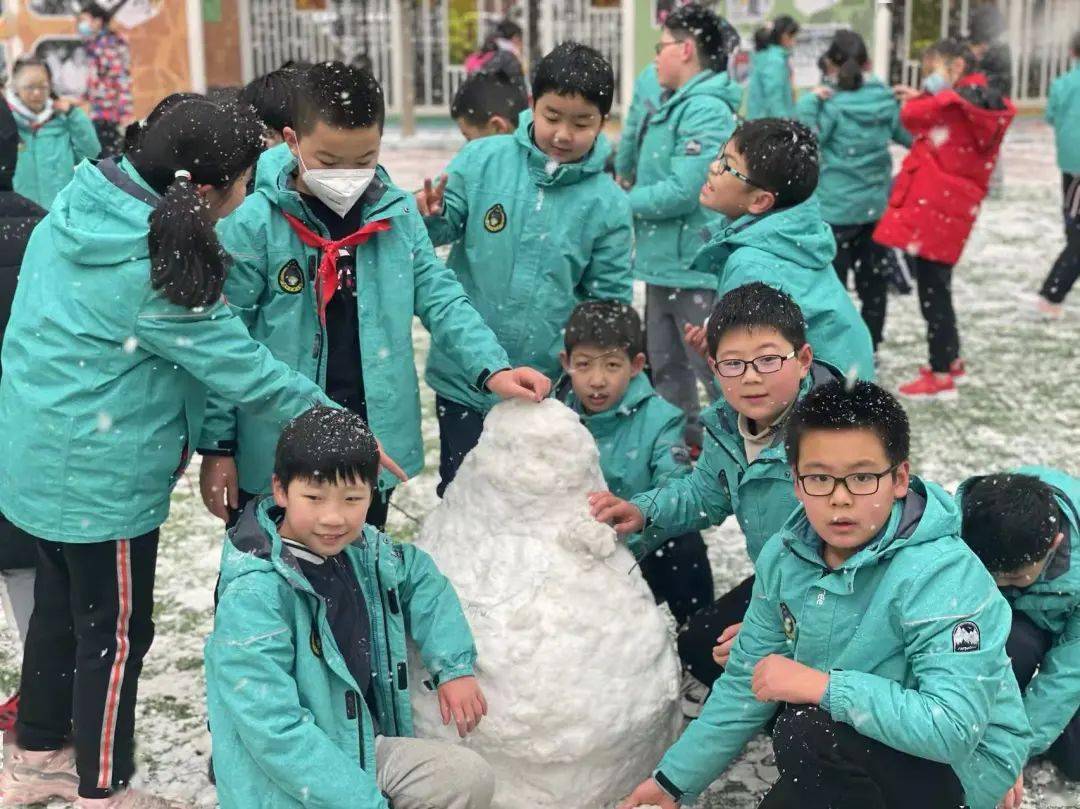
[
  {"x": 495, "y": 218},
  {"x": 291, "y": 278}
]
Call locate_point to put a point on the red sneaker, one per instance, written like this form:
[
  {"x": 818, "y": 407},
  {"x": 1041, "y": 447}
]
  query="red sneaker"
[
  {"x": 9, "y": 711},
  {"x": 929, "y": 386},
  {"x": 957, "y": 370}
]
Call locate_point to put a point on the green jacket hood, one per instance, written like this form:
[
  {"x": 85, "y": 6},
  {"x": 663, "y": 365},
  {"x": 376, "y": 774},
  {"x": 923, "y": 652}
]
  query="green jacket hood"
[
  {"x": 706, "y": 83},
  {"x": 794, "y": 235},
  {"x": 273, "y": 179},
  {"x": 253, "y": 545},
  {"x": 94, "y": 222},
  {"x": 926, "y": 514},
  {"x": 545, "y": 171}
]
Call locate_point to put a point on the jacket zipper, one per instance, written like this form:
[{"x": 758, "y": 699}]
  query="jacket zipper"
[{"x": 386, "y": 641}]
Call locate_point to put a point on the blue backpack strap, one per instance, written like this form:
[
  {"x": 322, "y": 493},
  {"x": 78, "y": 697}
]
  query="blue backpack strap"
[{"x": 112, "y": 172}]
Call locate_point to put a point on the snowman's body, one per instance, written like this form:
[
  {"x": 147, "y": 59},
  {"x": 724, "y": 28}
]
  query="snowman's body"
[{"x": 576, "y": 661}]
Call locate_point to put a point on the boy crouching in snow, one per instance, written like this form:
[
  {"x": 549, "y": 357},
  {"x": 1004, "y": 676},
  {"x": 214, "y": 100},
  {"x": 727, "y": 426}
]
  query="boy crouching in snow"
[
  {"x": 306, "y": 676},
  {"x": 873, "y": 631}
]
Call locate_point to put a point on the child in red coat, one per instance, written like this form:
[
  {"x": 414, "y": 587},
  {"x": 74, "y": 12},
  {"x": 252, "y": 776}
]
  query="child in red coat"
[{"x": 958, "y": 123}]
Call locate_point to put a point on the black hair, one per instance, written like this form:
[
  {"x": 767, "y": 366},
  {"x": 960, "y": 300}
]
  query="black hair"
[
  {"x": 98, "y": 11},
  {"x": 134, "y": 132},
  {"x": 483, "y": 95},
  {"x": 952, "y": 48},
  {"x": 848, "y": 53},
  {"x": 273, "y": 97},
  {"x": 216, "y": 144},
  {"x": 327, "y": 445},
  {"x": 32, "y": 61},
  {"x": 1074, "y": 44},
  {"x": 986, "y": 24},
  {"x": 508, "y": 29},
  {"x": 771, "y": 33},
  {"x": 605, "y": 324},
  {"x": 1009, "y": 520},
  {"x": 781, "y": 156},
  {"x": 756, "y": 306},
  {"x": 340, "y": 96},
  {"x": 707, "y": 29},
  {"x": 576, "y": 69},
  {"x": 844, "y": 405}
]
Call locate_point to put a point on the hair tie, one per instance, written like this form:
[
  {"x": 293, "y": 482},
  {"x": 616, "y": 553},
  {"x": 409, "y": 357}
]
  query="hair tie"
[{"x": 182, "y": 174}]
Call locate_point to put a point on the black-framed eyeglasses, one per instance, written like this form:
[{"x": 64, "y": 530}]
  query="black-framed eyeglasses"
[
  {"x": 659, "y": 46},
  {"x": 725, "y": 168},
  {"x": 859, "y": 484},
  {"x": 765, "y": 364}
]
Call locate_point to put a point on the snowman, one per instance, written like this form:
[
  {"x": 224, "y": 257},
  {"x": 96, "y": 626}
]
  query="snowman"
[{"x": 577, "y": 662}]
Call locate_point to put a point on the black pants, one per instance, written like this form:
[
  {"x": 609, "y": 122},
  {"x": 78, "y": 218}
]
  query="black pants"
[
  {"x": 459, "y": 430},
  {"x": 934, "y": 281},
  {"x": 858, "y": 254},
  {"x": 826, "y": 764},
  {"x": 91, "y": 627},
  {"x": 697, "y": 640},
  {"x": 17, "y": 548},
  {"x": 1026, "y": 647},
  {"x": 376, "y": 516},
  {"x": 1067, "y": 267},
  {"x": 679, "y": 574},
  {"x": 111, "y": 137}
]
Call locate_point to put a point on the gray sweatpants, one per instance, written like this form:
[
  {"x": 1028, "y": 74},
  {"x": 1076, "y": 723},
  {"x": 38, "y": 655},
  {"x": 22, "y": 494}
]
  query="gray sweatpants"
[
  {"x": 426, "y": 774},
  {"x": 676, "y": 368}
]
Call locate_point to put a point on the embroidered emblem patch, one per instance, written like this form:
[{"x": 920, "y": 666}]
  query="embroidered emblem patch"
[
  {"x": 316, "y": 643},
  {"x": 291, "y": 278},
  {"x": 693, "y": 147},
  {"x": 966, "y": 637},
  {"x": 495, "y": 218},
  {"x": 789, "y": 621}
]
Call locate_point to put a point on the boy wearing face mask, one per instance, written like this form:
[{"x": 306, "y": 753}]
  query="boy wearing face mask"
[
  {"x": 539, "y": 227},
  {"x": 331, "y": 263}
]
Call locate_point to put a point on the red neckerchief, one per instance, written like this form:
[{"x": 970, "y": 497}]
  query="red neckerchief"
[{"x": 328, "y": 272}]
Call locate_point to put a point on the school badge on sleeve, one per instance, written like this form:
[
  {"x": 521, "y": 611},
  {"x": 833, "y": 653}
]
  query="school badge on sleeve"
[
  {"x": 789, "y": 621},
  {"x": 291, "y": 278},
  {"x": 495, "y": 218},
  {"x": 966, "y": 637}
]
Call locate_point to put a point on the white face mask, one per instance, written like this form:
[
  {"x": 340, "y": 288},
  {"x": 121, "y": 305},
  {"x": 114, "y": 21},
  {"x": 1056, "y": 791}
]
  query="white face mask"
[{"x": 338, "y": 189}]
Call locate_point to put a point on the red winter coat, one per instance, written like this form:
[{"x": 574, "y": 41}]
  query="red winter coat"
[{"x": 935, "y": 197}]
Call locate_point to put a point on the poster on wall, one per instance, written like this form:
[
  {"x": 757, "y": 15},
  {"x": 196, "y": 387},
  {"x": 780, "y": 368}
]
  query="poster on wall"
[
  {"x": 51, "y": 8},
  {"x": 129, "y": 13},
  {"x": 66, "y": 59}
]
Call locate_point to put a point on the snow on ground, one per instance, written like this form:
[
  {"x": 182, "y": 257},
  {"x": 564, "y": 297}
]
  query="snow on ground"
[{"x": 1021, "y": 405}]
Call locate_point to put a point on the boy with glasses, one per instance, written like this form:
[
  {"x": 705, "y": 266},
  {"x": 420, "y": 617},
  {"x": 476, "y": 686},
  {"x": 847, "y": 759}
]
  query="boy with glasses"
[
  {"x": 874, "y": 632},
  {"x": 673, "y": 146},
  {"x": 763, "y": 181},
  {"x": 763, "y": 364}
]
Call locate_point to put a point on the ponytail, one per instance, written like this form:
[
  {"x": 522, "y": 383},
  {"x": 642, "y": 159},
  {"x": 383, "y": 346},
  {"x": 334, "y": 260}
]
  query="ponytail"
[
  {"x": 194, "y": 142},
  {"x": 850, "y": 75},
  {"x": 187, "y": 262},
  {"x": 847, "y": 53}
]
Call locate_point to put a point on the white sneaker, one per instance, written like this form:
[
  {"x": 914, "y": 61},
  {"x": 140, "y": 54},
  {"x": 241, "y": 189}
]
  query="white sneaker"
[
  {"x": 693, "y": 693},
  {"x": 31, "y": 777}
]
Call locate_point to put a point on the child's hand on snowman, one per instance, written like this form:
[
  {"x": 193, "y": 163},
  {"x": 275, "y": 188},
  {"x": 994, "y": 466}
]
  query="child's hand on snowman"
[
  {"x": 721, "y": 653},
  {"x": 649, "y": 794},
  {"x": 462, "y": 701},
  {"x": 519, "y": 383},
  {"x": 622, "y": 515}
]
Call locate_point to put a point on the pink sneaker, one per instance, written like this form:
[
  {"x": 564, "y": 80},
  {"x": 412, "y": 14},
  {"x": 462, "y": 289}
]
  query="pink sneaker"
[
  {"x": 929, "y": 386},
  {"x": 130, "y": 799},
  {"x": 31, "y": 777}
]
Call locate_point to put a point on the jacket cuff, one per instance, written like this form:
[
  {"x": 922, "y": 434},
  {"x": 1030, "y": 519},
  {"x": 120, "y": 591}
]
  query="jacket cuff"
[
  {"x": 481, "y": 381},
  {"x": 225, "y": 449},
  {"x": 836, "y": 700},
  {"x": 453, "y": 673},
  {"x": 666, "y": 784}
]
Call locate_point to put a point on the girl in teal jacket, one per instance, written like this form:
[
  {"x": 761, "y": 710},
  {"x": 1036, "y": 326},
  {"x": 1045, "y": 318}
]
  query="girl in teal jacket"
[
  {"x": 55, "y": 135},
  {"x": 117, "y": 329},
  {"x": 770, "y": 93},
  {"x": 855, "y": 117}
]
